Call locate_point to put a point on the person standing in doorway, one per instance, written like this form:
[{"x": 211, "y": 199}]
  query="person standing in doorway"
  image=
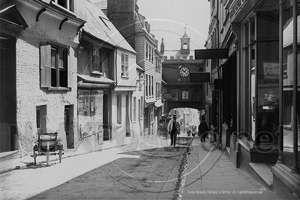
[
  {"x": 203, "y": 129},
  {"x": 173, "y": 129}
]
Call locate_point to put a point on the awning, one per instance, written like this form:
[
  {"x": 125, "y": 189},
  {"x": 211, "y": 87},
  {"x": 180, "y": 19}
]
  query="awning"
[
  {"x": 90, "y": 79},
  {"x": 125, "y": 88},
  {"x": 86, "y": 81}
]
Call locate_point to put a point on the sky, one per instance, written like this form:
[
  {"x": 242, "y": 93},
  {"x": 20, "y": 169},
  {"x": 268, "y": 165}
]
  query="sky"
[{"x": 168, "y": 19}]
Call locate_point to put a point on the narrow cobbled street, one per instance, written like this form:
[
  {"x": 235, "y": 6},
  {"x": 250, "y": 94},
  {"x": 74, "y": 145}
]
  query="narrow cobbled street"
[
  {"x": 192, "y": 170},
  {"x": 156, "y": 174}
]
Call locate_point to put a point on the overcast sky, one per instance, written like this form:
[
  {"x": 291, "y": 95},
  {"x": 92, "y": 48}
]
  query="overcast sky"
[{"x": 169, "y": 17}]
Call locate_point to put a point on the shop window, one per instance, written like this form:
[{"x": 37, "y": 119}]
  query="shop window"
[
  {"x": 97, "y": 60},
  {"x": 124, "y": 65},
  {"x": 54, "y": 67},
  {"x": 84, "y": 102}
]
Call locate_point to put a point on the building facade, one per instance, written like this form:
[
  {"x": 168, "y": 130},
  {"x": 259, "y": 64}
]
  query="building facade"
[
  {"x": 179, "y": 89},
  {"x": 106, "y": 82},
  {"x": 256, "y": 108},
  {"x": 134, "y": 27},
  {"x": 38, "y": 54}
]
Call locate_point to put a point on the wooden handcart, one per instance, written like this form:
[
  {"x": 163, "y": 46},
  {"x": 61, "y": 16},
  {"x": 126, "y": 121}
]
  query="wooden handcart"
[{"x": 47, "y": 145}]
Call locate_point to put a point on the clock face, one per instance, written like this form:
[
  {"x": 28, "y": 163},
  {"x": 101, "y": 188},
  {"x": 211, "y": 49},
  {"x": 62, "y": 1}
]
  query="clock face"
[{"x": 184, "y": 71}]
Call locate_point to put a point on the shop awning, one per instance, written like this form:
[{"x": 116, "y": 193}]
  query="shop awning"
[{"x": 85, "y": 81}]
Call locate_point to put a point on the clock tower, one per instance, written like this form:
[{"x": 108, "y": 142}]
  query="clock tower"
[{"x": 185, "y": 44}]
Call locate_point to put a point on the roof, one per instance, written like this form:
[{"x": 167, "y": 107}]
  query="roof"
[
  {"x": 138, "y": 67},
  {"x": 101, "y": 27}
]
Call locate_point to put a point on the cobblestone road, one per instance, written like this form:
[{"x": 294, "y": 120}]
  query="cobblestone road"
[{"x": 155, "y": 175}]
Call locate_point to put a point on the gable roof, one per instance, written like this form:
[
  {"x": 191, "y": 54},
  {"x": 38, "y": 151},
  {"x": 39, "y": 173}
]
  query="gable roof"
[{"x": 101, "y": 27}]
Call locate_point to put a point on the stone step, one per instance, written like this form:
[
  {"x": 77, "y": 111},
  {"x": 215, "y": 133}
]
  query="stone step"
[{"x": 264, "y": 172}]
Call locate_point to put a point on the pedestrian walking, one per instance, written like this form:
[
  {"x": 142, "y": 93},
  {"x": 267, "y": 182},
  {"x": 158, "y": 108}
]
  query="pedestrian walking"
[
  {"x": 203, "y": 129},
  {"x": 173, "y": 129}
]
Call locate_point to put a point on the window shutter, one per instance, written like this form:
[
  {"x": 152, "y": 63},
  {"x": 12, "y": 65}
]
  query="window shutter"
[
  {"x": 69, "y": 71},
  {"x": 45, "y": 65}
]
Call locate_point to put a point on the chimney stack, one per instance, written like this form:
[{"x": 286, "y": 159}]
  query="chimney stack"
[{"x": 162, "y": 47}]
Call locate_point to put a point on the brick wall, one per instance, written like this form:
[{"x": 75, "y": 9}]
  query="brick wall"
[{"x": 30, "y": 95}]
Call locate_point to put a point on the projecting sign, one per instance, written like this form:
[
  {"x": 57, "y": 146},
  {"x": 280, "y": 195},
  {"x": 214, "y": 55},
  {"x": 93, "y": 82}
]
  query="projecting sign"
[
  {"x": 200, "y": 77},
  {"x": 211, "y": 53}
]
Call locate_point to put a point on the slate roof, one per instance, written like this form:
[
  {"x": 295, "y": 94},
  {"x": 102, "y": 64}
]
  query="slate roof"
[{"x": 101, "y": 27}]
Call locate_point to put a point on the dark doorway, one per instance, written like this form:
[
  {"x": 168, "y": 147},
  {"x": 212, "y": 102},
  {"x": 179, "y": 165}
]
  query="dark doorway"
[
  {"x": 106, "y": 124},
  {"x": 69, "y": 116},
  {"x": 8, "y": 110}
]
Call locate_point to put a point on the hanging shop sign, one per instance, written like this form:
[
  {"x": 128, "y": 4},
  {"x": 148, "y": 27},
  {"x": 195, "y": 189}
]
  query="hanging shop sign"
[
  {"x": 211, "y": 53},
  {"x": 167, "y": 96},
  {"x": 200, "y": 77}
]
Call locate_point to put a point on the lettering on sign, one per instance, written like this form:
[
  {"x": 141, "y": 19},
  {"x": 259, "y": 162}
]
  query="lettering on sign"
[
  {"x": 200, "y": 77},
  {"x": 271, "y": 70},
  {"x": 167, "y": 96},
  {"x": 211, "y": 53}
]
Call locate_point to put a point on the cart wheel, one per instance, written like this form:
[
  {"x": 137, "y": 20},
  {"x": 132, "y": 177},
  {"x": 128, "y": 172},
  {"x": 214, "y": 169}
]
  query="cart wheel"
[{"x": 60, "y": 155}]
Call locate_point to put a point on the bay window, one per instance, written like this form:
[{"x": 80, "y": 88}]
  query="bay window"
[
  {"x": 124, "y": 65},
  {"x": 96, "y": 60}
]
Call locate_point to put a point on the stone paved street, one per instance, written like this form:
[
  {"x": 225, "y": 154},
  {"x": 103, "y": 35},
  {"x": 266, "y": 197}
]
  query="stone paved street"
[{"x": 195, "y": 171}]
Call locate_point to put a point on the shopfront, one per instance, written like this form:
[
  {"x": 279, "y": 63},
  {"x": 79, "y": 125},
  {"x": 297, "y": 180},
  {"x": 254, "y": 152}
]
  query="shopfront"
[
  {"x": 286, "y": 179},
  {"x": 255, "y": 24}
]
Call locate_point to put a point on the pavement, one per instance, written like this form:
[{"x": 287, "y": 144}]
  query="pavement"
[{"x": 209, "y": 174}]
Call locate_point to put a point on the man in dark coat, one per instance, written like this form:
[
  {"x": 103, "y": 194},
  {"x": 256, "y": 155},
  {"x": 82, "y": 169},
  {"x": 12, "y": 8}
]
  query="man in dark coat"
[
  {"x": 173, "y": 129},
  {"x": 203, "y": 129}
]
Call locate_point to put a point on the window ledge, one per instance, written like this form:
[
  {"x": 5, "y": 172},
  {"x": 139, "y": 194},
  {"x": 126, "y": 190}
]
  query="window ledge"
[
  {"x": 59, "y": 88},
  {"x": 124, "y": 76},
  {"x": 96, "y": 73},
  {"x": 287, "y": 127}
]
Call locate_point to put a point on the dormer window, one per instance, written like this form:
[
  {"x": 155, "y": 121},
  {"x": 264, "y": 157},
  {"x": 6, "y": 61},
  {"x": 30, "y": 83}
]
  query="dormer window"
[{"x": 66, "y": 4}]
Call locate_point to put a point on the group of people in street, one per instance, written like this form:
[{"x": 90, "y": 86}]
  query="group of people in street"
[{"x": 173, "y": 130}]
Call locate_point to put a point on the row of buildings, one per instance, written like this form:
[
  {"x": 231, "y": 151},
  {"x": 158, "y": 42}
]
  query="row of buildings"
[
  {"x": 88, "y": 71},
  {"x": 252, "y": 101}
]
